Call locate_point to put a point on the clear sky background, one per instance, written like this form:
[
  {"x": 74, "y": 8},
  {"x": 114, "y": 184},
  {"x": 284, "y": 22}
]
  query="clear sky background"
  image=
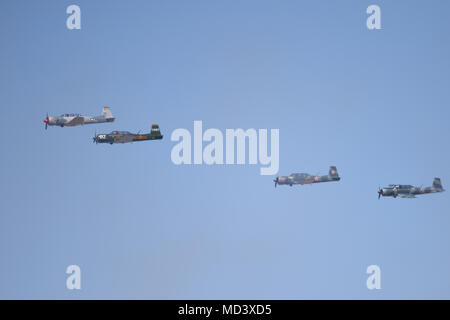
[{"x": 373, "y": 103}]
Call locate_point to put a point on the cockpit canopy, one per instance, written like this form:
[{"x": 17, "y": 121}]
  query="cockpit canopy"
[
  {"x": 400, "y": 186},
  {"x": 70, "y": 115},
  {"x": 301, "y": 175},
  {"x": 120, "y": 132}
]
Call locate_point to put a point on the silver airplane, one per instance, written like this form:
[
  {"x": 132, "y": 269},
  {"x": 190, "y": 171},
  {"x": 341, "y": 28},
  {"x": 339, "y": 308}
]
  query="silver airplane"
[
  {"x": 305, "y": 178},
  {"x": 71, "y": 120},
  {"x": 408, "y": 191}
]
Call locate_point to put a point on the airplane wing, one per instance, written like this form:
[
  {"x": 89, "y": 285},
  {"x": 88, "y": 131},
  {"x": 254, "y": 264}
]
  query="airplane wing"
[
  {"x": 75, "y": 121},
  {"x": 406, "y": 196}
]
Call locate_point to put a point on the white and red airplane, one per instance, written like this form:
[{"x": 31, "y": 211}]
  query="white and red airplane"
[{"x": 71, "y": 120}]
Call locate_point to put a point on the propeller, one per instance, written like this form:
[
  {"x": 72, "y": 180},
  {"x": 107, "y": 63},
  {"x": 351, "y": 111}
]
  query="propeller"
[
  {"x": 380, "y": 192},
  {"x": 46, "y": 122},
  {"x": 94, "y": 139},
  {"x": 276, "y": 182}
]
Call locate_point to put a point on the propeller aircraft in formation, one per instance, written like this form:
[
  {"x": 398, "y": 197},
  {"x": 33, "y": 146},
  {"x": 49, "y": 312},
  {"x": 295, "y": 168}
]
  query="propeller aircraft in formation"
[
  {"x": 306, "y": 178},
  {"x": 125, "y": 136},
  {"x": 72, "y": 119},
  {"x": 408, "y": 191}
]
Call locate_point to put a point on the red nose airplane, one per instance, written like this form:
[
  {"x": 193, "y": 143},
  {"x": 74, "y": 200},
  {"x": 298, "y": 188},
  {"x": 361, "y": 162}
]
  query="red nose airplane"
[{"x": 71, "y": 120}]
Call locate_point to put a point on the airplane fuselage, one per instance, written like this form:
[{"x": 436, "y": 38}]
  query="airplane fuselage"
[
  {"x": 125, "y": 136},
  {"x": 408, "y": 191},
  {"x": 76, "y": 120},
  {"x": 73, "y": 119},
  {"x": 305, "y": 178}
]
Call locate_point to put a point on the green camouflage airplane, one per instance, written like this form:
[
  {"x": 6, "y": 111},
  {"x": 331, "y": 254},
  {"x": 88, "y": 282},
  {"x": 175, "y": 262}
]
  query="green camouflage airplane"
[{"x": 125, "y": 136}]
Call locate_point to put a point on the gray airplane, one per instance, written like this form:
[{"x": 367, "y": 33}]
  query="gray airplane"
[
  {"x": 407, "y": 191},
  {"x": 305, "y": 178},
  {"x": 72, "y": 119}
]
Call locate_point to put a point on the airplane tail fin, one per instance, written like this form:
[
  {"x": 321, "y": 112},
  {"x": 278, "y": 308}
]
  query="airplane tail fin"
[
  {"x": 437, "y": 183},
  {"x": 155, "y": 131},
  {"x": 333, "y": 172},
  {"x": 107, "y": 113}
]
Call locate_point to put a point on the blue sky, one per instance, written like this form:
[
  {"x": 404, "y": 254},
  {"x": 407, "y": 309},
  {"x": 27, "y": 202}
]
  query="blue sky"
[{"x": 373, "y": 103}]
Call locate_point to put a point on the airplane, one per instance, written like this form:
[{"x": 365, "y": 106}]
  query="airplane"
[
  {"x": 408, "y": 191},
  {"x": 305, "y": 178},
  {"x": 73, "y": 119},
  {"x": 125, "y": 136}
]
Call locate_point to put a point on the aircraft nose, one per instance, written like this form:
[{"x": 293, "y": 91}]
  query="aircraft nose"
[{"x": 46, "y": 120}]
